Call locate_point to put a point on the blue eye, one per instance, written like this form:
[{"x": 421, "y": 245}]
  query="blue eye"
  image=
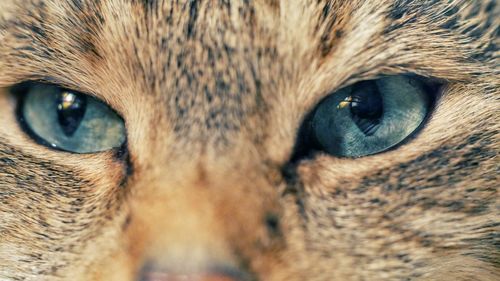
[
  {"x": 368, "y": 117},
  {"x": 70, "y": 121}
]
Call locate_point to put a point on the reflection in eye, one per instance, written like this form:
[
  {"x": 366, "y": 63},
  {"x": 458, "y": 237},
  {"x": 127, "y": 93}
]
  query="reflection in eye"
[
  {"x": 365, "y": 105},
  {"x": 71, "y": 108}
]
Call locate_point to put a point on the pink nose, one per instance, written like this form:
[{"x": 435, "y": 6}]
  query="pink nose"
[
  {"x": 158, "y": 276},
  {"x": 153, "y": 273}
]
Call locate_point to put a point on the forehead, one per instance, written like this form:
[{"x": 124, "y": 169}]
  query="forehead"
[
  {"x": 146, "y": 32},
  {"x": 147, "y": 39}
]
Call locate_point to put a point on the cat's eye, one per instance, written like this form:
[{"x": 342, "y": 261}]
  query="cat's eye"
[
  {"x": 368, "y": 117},
  {"x": 68, "y": 120}
]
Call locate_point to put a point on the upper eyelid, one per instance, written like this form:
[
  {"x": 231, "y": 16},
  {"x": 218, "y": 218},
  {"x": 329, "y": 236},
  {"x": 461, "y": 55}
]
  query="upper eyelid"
[
  {"x": 20, "y": 89},
  {"x": 65, "y": 85}
]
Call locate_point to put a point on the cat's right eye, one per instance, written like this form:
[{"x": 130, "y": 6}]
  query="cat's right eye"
[{"x": 68, "y": 120}]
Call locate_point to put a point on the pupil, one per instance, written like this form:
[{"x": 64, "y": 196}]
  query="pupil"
[
  {"x": 367, "y": 107},
  {"x": 71, "y": 109}
]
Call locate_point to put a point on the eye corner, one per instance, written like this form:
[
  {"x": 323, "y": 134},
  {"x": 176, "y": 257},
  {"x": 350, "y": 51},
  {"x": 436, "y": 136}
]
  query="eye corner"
[
  {"x": 305, "y": 146},
  {"x": 432, "y": 85}
]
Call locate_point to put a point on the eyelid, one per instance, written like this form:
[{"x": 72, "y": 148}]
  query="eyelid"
[
  {"x": 21, "y": 88},
  {"x": 62, "y": 84}
]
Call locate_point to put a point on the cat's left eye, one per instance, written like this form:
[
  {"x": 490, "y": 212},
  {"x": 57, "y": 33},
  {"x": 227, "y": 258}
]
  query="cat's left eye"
[
  {"x": 367, "y": 118},
  {"x": 68, "y": 120}
]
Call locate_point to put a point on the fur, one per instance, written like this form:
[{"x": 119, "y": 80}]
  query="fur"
[{"x": 213, "y": 94}]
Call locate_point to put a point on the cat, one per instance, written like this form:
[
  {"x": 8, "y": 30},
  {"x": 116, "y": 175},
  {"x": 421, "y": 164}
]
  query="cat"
[{"x": 249, "y": 140}]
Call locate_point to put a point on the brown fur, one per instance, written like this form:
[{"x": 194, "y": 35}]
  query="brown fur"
[{"x": 213, "y": 93}]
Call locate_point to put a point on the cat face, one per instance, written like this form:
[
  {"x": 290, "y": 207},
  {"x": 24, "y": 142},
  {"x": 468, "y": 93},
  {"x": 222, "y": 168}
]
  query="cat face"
[{"x": 248, "y": 140}]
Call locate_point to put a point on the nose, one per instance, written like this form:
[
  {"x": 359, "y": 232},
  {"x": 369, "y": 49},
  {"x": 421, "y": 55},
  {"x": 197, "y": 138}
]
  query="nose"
[{"x": 151, "y": 273}]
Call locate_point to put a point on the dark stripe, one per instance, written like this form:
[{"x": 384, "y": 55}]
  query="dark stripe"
[
  {"x": 147, "y": 5},
  {"x": 193, "y": 16}
]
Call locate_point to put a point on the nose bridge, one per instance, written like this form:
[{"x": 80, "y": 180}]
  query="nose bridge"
[
  {"x": 194, "y": 213},
  {"x": 175, "y": 219}
]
